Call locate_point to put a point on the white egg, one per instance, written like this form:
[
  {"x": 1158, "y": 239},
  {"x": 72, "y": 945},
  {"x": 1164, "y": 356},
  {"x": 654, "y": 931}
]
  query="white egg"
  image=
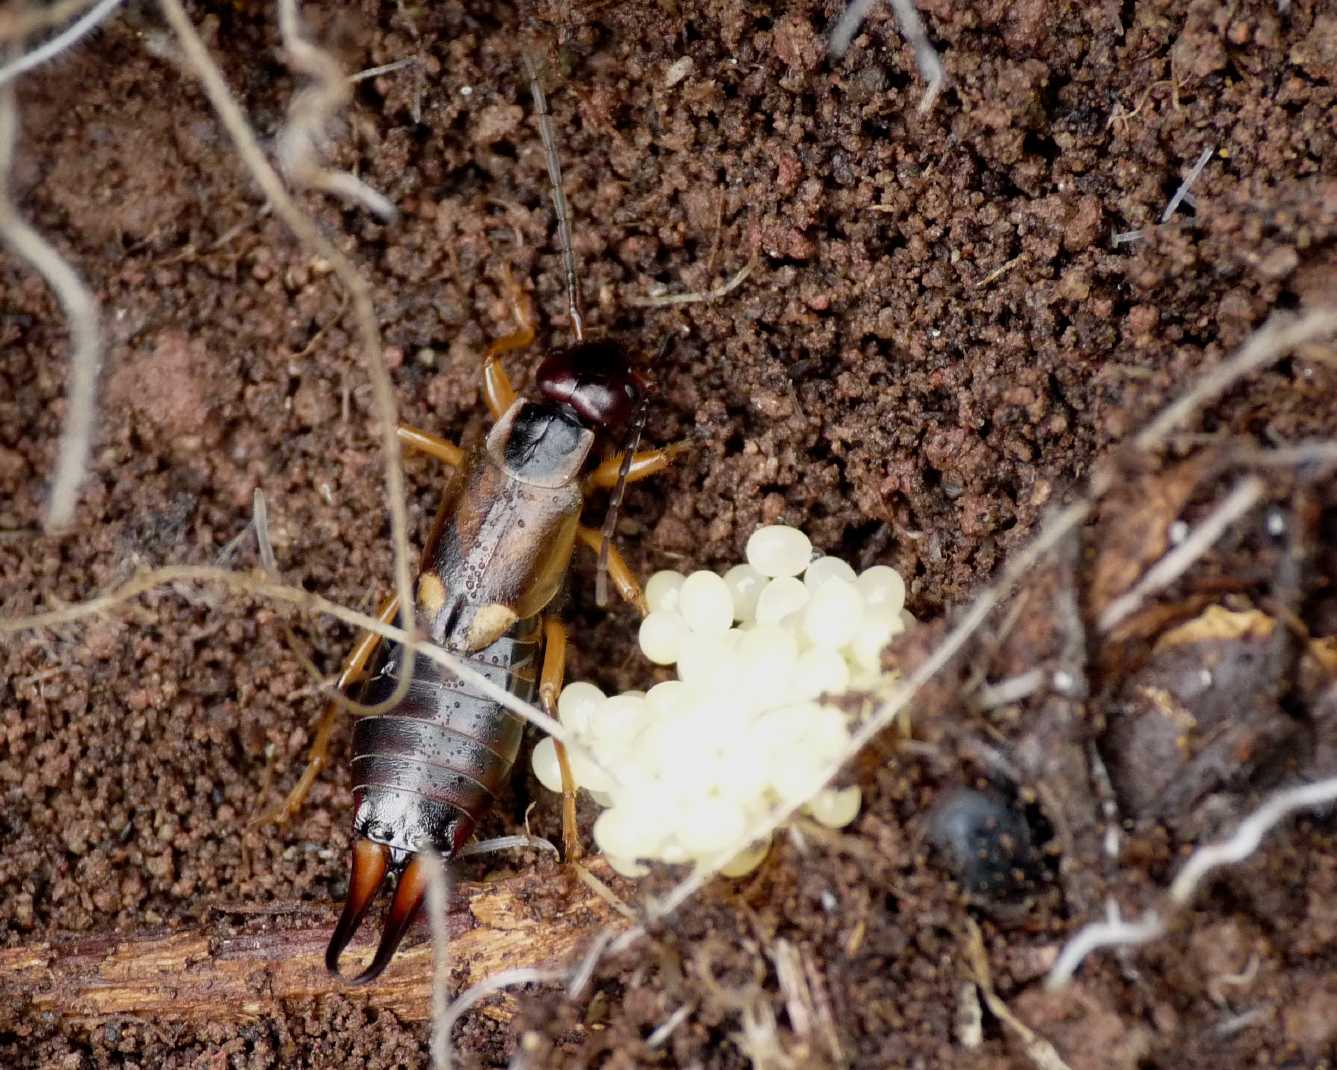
[
  {"x": 827, "y": 568},
  {"x": 544, "y": 763},
  {"x": 779, "y": 550},
  {"x": 661, "y": 636},
  {"x": 661, "y": 590}
]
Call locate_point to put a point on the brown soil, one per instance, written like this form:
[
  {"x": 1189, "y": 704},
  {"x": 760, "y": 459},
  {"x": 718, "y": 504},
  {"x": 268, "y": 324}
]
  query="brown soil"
[{"x": 940, "y": 339}]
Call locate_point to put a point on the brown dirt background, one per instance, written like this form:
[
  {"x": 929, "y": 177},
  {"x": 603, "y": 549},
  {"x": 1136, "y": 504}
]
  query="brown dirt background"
[{"x": 872, "y": 382}]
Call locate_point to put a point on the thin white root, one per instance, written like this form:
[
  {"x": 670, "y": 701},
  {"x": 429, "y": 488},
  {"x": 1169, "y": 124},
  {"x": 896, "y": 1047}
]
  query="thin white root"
[
  {"x": 1114, "y": 932},
  {"x": 1249, "y": 835},
  {"x": 444, "y": 1025},
  {"x": 506, "y": 843},
  {"x": 1182, "y": 192},
  {"x": 1013, "y": 689},
  {"x": 584, "y": 970},
  {"x": 302, "y": 141},
  {"x": 695, "y": 297},
  {"x": 1300, "y": 454},
  {"x": 663, "y": 1032},
  {"x": 1245, "y": 495},
  {"x": 80, "y": 310},
  {"x": 847, "y": 26},
  {"x": 260, "y": 585},
  {"x": 926, "y": 56},
  {"x": 438, "y": 907},
  {"x": 67, "y": 38},
  {"x": 912, "y": 29}
]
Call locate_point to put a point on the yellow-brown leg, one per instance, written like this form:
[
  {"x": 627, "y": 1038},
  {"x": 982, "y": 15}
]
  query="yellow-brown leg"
[
  {"x": 643, "y": 463},
  {"x": 550, "y": 686},
  {"x": 319, "y": 754},
  {"x": 497, "y": 389},
  {"x": 442, "y": 449},
  {"x": 618, "y": 568}
]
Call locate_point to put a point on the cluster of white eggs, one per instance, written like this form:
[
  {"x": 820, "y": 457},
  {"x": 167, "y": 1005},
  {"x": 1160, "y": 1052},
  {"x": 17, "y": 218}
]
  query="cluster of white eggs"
[{"x": 700, "y": 760}]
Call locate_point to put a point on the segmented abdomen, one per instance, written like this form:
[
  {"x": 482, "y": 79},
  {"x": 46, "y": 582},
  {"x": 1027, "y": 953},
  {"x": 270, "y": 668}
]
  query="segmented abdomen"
[{"x": 425, "y": 773}]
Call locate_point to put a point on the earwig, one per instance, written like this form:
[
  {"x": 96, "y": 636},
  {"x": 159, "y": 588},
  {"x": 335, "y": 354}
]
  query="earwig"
[{"x": 427, "y": 770}]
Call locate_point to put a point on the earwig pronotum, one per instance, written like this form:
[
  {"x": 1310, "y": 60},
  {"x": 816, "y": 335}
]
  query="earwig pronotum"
[{"x": 427, "y": 770}]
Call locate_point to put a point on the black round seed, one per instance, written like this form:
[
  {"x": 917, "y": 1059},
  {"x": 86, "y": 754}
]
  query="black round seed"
[{"x": 984, "y": 842}]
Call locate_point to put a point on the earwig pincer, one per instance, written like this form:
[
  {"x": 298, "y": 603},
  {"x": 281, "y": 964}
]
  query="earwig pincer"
[{"x": 430, "y": 767}]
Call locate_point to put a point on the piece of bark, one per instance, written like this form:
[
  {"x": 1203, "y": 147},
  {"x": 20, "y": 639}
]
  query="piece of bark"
[{"x": 230, "y": 970}]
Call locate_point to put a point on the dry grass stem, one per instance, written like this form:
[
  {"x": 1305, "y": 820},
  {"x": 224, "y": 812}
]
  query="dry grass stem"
[
  {"x": 1001, "y": 270},
  {"x": 695, "y": 297},
  {"x": 1245, "y": 495},
  {"x": 243, "y": 137},
  {"x": 1040, "y": 1051},
  {"x": 80, "y": 310},
  {"x": 604, "y": 892},
  {"x": 260, "y": 520},
  {"x": 67, "y": 38},
  {"x": 22, "y": 20},
  {"x": 1281, "y": 334},
  {"x": 438, "y": 907},
  {"x": 384, "y": 68}
]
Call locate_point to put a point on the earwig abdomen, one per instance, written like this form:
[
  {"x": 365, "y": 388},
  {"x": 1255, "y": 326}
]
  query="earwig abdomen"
[{"x": 426, "y": 773}]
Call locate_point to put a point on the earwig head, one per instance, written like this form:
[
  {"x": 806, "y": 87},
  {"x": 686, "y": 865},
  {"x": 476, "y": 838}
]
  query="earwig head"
[{"x": 597, "y": 382}]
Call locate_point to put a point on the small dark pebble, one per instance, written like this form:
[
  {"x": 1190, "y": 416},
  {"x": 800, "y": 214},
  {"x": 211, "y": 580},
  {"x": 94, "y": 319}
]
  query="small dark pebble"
[{"x": 984, "y": 842}]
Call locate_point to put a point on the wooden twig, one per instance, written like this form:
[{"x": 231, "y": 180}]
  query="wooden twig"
[{"x": 238, "y": 968}]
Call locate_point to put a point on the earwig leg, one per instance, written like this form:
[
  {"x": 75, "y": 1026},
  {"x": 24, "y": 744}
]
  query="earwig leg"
[
  {"x": 443, "y": 450},
  {"x": 644, "y": 463},
  {"x": 319, "y": 755},
  {"x": 497, "y": 389},
  {"x": 550, "y": 686},
  {"x": 618, "y": 568}
]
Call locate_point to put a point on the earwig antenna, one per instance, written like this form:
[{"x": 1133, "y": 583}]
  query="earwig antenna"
[
  {"x": 615, "y": 503},
  {"x": 558, "y": 200},
  {"x": 629, "y": 452}
]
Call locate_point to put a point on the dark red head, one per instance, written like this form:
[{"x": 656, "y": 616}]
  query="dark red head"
[{"x": 597, "y": 382}]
